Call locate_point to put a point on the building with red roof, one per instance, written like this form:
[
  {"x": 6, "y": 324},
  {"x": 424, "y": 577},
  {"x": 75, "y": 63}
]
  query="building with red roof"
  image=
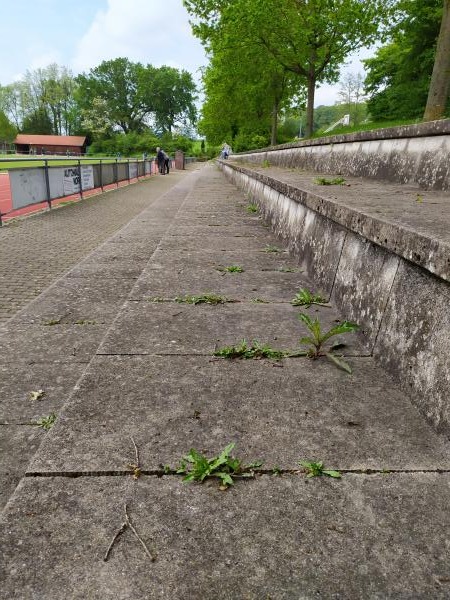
[{"x": 50, "y": 144}]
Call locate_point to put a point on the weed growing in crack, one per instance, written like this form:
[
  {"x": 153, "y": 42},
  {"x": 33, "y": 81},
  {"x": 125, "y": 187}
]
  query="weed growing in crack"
[
  {"x": 254, "y": 351},
  {"x": 85, "y": 322},
  {"x": 270, "y": 248},
  {"x": 46, "y": 422},
  {"x": 203, "y": 299},
  {"x": 305, "y": 298},
  {"x": 265, "y": 164},
  {"x": 52, "y": 322},
  {"x": 316, "y": 469},
  {"x": 157, "y": 299},
  {"x": 197, "y": 467},
  {"x": 259, "y": 301},
  {"x": 252, "y": 208},
  {"x": 317, "y": 339},
  {"x": 231, "y": 269},
  {"x": 325, "y": 181}
]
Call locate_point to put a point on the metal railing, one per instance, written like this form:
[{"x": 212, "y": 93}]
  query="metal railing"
[{"x": 50, "y": 180}]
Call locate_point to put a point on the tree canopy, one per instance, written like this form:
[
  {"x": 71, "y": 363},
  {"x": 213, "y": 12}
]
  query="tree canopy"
[
  {"x": 398, "y": 76},
  {"x": 117, "y": 95},
  {"x": 308, "y": 38}
]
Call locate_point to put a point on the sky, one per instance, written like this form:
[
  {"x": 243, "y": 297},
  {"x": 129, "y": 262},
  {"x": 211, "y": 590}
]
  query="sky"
[{"x": 80, "y": 34}]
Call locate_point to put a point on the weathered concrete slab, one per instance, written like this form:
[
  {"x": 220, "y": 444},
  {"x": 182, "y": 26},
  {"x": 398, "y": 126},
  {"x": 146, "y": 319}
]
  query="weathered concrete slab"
[
  {"x": 8, "y": 484},
  {"x": 218, "y": 242},
  {"x": 401, "y": 218},
  {"x": 275, "y": 411},
  {"x": 414, "y": 340},
  {"x": 63, "y": 343},
  {"x": 278, "y": 538},
  {"x": 172, "y": 328},
  {"x": 416, "y": 153},
  {"x": 363, "y": 283},
  {"x": 85, "y": 300},
  {"x": 217, "y": 219},
  {"x": 265, "y": 261},
  {"x": 18, "y": 444},
  {"x": 19, "y": 379},
  {"x": 177, "y": 278},
  {"x": 200, "y": 231}
]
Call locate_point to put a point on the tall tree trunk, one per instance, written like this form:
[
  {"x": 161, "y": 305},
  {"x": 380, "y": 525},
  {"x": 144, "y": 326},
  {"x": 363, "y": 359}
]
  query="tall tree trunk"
[
  {"x": 440, "y": 79},
  {"x": 274, "y": 132},
  {"x": 310, "y": 106}
]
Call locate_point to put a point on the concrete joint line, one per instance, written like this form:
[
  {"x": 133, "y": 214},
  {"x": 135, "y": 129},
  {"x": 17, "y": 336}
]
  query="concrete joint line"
[
  {"x": 159, "y": 473},
  {"x": 388, "y": 297}
]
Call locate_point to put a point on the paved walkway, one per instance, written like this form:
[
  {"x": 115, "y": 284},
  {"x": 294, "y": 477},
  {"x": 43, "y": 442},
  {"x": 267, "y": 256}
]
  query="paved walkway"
[
  {"x": 131, "y": 376},
  {"x": 34, "y": 251}
]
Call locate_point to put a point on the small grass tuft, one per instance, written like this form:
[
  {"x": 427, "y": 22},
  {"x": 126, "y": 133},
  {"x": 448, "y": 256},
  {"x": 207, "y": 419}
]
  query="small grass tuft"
[
  {"x": 52, "y": 322},
  {"x": 325, "y": 181},
  {"x": 46, "y": 422},
  {"x": 270, "y": 248},
  {"x": 254, "y": 351},
  {"x": 253, "y": 208},
  {"x": 305, "y": 298},
  {"x": 197, "y": 467},
  {"x": 317, "y": 340},
  {"x": 203, "y": 299},
  {"x": 231, "y": 269},
  {"x": 316, "y": 469}
]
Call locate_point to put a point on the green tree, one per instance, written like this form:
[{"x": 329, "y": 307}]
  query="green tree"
[
  {"x": 398, "y": 76},
  {"x": 116, "y": 85},
  {"x": 37, "y": 122},
  {"x": 440, "y": 80},
  {"x": 7, "y": 130},
  {"x": 173, "y": 98},
  {"x": 309, "y": 38},
  {"x": 245, "y": 92}
]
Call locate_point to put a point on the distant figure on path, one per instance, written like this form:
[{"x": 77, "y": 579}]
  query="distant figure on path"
[
  {"x": 226, "y": 150},
  {"x": 160, "y": 157},
  {"x": 166, "y": 163}
]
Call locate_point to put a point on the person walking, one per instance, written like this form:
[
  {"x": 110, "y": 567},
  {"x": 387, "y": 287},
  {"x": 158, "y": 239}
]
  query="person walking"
[
  {"x": 166, "y": 163},
  {"x": 160, "y": 158}
]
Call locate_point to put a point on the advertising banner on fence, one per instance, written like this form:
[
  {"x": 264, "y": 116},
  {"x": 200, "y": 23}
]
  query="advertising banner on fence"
[
  {"x": 27, "y": 187},
  {"x": 72, "y": 176},
  {"x": 133, "y": 170}
]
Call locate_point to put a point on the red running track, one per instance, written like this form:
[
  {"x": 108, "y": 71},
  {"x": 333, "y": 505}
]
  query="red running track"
[{"x": 6, "y": 201}]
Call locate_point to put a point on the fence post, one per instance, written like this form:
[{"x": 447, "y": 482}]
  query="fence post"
[
  {"x": 81, "y": 183},
  {"x": 117, "y": 173},
  {"x": 101, "y": 174},
  {"x": 128, "y": 170},
  {"x": 47, "y": 184}
]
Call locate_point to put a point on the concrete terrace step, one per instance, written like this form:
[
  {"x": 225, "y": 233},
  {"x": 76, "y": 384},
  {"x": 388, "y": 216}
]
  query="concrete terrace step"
[
  {"x": 153, "y": 387},
  {"x": 381, "y": 251},
  {"x": 406, "y": 220}
]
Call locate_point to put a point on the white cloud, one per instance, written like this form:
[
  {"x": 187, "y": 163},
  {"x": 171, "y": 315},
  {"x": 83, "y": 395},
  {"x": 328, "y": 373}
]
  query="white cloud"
[{"x": 147, "y": 31}]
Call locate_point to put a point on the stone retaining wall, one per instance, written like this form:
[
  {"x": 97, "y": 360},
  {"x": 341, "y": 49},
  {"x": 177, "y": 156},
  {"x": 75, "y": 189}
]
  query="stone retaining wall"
[
  {"x": 417, "y": 154},
  {"x": 403, "y": 309}
]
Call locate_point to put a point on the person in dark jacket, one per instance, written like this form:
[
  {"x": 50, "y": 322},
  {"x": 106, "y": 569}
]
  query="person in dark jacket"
[
  {"x": 160, "y": 158},
  {"x": 166, "y": 163}
]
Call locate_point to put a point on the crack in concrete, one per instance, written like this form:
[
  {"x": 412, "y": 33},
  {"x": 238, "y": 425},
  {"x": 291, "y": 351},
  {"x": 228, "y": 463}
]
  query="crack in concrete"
[{"x": 274, "y": 472}]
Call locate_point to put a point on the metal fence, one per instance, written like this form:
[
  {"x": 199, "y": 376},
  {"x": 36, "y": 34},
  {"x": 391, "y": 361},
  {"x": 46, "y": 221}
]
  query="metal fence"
[{"x": 44, "y": 183}]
